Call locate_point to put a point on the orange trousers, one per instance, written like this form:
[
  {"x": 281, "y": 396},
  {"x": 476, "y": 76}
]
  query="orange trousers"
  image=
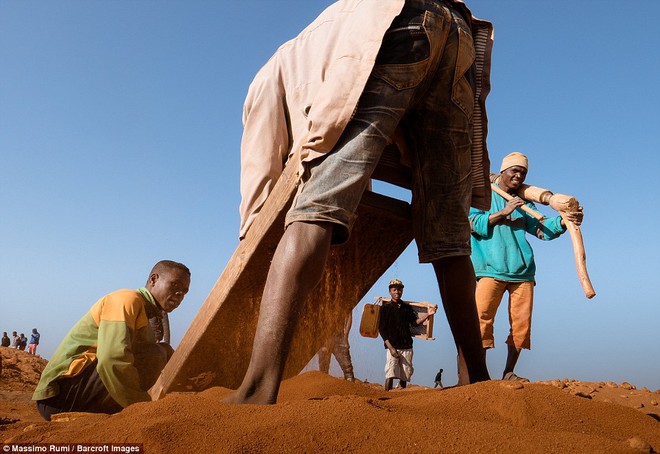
[{"x": 521, "y": 301}]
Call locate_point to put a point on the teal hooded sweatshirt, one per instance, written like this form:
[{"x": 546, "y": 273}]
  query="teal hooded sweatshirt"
[{"x": 501, "y": 251}]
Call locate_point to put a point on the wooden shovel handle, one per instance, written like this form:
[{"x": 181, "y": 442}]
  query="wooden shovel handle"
[
  {"x": 576, "y": 239},
  {"x": 580, "y": 256},
  {"x": 525, "y": 208}
]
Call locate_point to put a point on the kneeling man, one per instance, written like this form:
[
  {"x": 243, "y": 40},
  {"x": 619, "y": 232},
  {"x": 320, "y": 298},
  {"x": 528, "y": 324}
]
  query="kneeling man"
[{"x": 110, "y": 358}]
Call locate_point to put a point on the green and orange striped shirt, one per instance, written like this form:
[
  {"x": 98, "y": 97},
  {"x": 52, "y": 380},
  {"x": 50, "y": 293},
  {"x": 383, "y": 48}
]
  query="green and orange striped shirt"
[{"x": 107, "y": 335}]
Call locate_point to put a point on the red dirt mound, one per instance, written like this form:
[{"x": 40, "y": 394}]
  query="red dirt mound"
[
  {"x": 20, "y": 370},
  {"x": 318, "y": 413}
]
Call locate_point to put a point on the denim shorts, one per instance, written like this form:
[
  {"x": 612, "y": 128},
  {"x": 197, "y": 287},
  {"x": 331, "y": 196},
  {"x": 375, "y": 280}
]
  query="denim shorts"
[{"x": 421, "y": 83}]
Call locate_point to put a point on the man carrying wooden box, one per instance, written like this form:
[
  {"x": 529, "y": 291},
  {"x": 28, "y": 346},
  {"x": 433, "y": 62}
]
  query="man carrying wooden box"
[{"x": 396, "y": 317}]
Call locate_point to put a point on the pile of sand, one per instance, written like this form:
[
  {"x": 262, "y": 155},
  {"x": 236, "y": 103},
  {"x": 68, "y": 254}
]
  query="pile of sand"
[
  {"x": 319, "y": 413},
  {"x": 20, "y": 370}
]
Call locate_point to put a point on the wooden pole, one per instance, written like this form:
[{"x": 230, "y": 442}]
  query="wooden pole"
[{"x": 525, "y": 208}]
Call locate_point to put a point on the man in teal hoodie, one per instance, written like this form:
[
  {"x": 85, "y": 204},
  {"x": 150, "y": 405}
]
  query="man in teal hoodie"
[{"x": 504, "y": 261}]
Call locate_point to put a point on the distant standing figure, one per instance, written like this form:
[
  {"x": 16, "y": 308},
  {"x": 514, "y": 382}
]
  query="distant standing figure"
[
  {"x": 110, "y": 358},
  {"x": 438, "y": 379},
  {"x": 6, "y": 342},
  {"x": 339, "y": 346},
  {"x": 16, "y": 340},
  {"x": 394, "y": 326},
  {"x": 22, "y": 342},
  {"x": 34, "y": 341}
]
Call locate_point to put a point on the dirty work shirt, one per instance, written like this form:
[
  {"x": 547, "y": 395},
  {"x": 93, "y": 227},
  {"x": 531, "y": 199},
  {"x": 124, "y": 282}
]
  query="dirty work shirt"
[
  {"x": 501, "y": 251},
  {"x": 106, "y": 336},
  {"x": 394, "y": 324}
]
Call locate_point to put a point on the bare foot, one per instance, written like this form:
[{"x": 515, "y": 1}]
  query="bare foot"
[{"x": 252, "y": 396}]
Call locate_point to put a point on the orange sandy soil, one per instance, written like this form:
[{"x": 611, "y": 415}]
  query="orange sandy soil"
[{"x": 319, "y": 413}]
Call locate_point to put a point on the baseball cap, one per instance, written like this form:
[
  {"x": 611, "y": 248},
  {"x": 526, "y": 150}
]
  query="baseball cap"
[{"x": 396, "y": 283}]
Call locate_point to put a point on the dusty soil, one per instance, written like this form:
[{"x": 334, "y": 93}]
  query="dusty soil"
[
  {"x": 319, "y": 413},
  {"x": 20, "y": 370}
]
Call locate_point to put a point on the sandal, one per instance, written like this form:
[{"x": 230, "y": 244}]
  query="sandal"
[{"x": 513, "y": 377}]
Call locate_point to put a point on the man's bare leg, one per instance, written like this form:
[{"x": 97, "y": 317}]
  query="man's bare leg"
[
  {"x": 463, "y": 374},
  {"x": 325, "y": 357},
  {"x": 389, "y": 382},
  {"x": 457, "y": 283},
  {"x": 512, "y": 356},
  {"x": 296, "y": 269}
]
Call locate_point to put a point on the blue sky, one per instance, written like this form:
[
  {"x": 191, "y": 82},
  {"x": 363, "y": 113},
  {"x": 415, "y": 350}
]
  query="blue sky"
[{"x": 120, "y": 126}]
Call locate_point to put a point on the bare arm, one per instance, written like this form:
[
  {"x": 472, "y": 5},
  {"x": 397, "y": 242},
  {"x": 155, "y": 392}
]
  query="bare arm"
[
  {"x": 573, "y": 216},
  {"x": 423, "y": 318},
  {"x": 392, "y": 350},
  {"x": 510, "y": 206}
]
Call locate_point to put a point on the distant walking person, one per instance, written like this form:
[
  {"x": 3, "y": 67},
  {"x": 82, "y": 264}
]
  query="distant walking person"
[
  {"x": 34, "y": 341},
  {"x": 6, "y": 342},
  {"x": 338, "y": 345},
  {"x": 438, "y": 379}
]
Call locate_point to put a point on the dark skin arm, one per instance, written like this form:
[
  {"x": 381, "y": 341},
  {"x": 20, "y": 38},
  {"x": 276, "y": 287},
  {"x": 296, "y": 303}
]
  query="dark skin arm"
[
  {"x": 574, "y": 216},
  {"x": 392, "y": 350},
  {"x": 509, "y": 208},
  {"x": 497, "y": 217},
  {"x": 423, "y": 318},
  {"x": 511, "y": 180}
]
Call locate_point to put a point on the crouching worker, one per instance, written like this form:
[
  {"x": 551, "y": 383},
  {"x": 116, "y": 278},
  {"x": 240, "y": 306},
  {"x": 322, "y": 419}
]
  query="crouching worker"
[{"x": 110, "y": 358}]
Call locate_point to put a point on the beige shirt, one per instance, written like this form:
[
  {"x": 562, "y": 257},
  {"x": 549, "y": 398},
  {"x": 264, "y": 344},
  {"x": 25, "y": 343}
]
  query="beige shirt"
[{"x": 304, "y": 96}]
